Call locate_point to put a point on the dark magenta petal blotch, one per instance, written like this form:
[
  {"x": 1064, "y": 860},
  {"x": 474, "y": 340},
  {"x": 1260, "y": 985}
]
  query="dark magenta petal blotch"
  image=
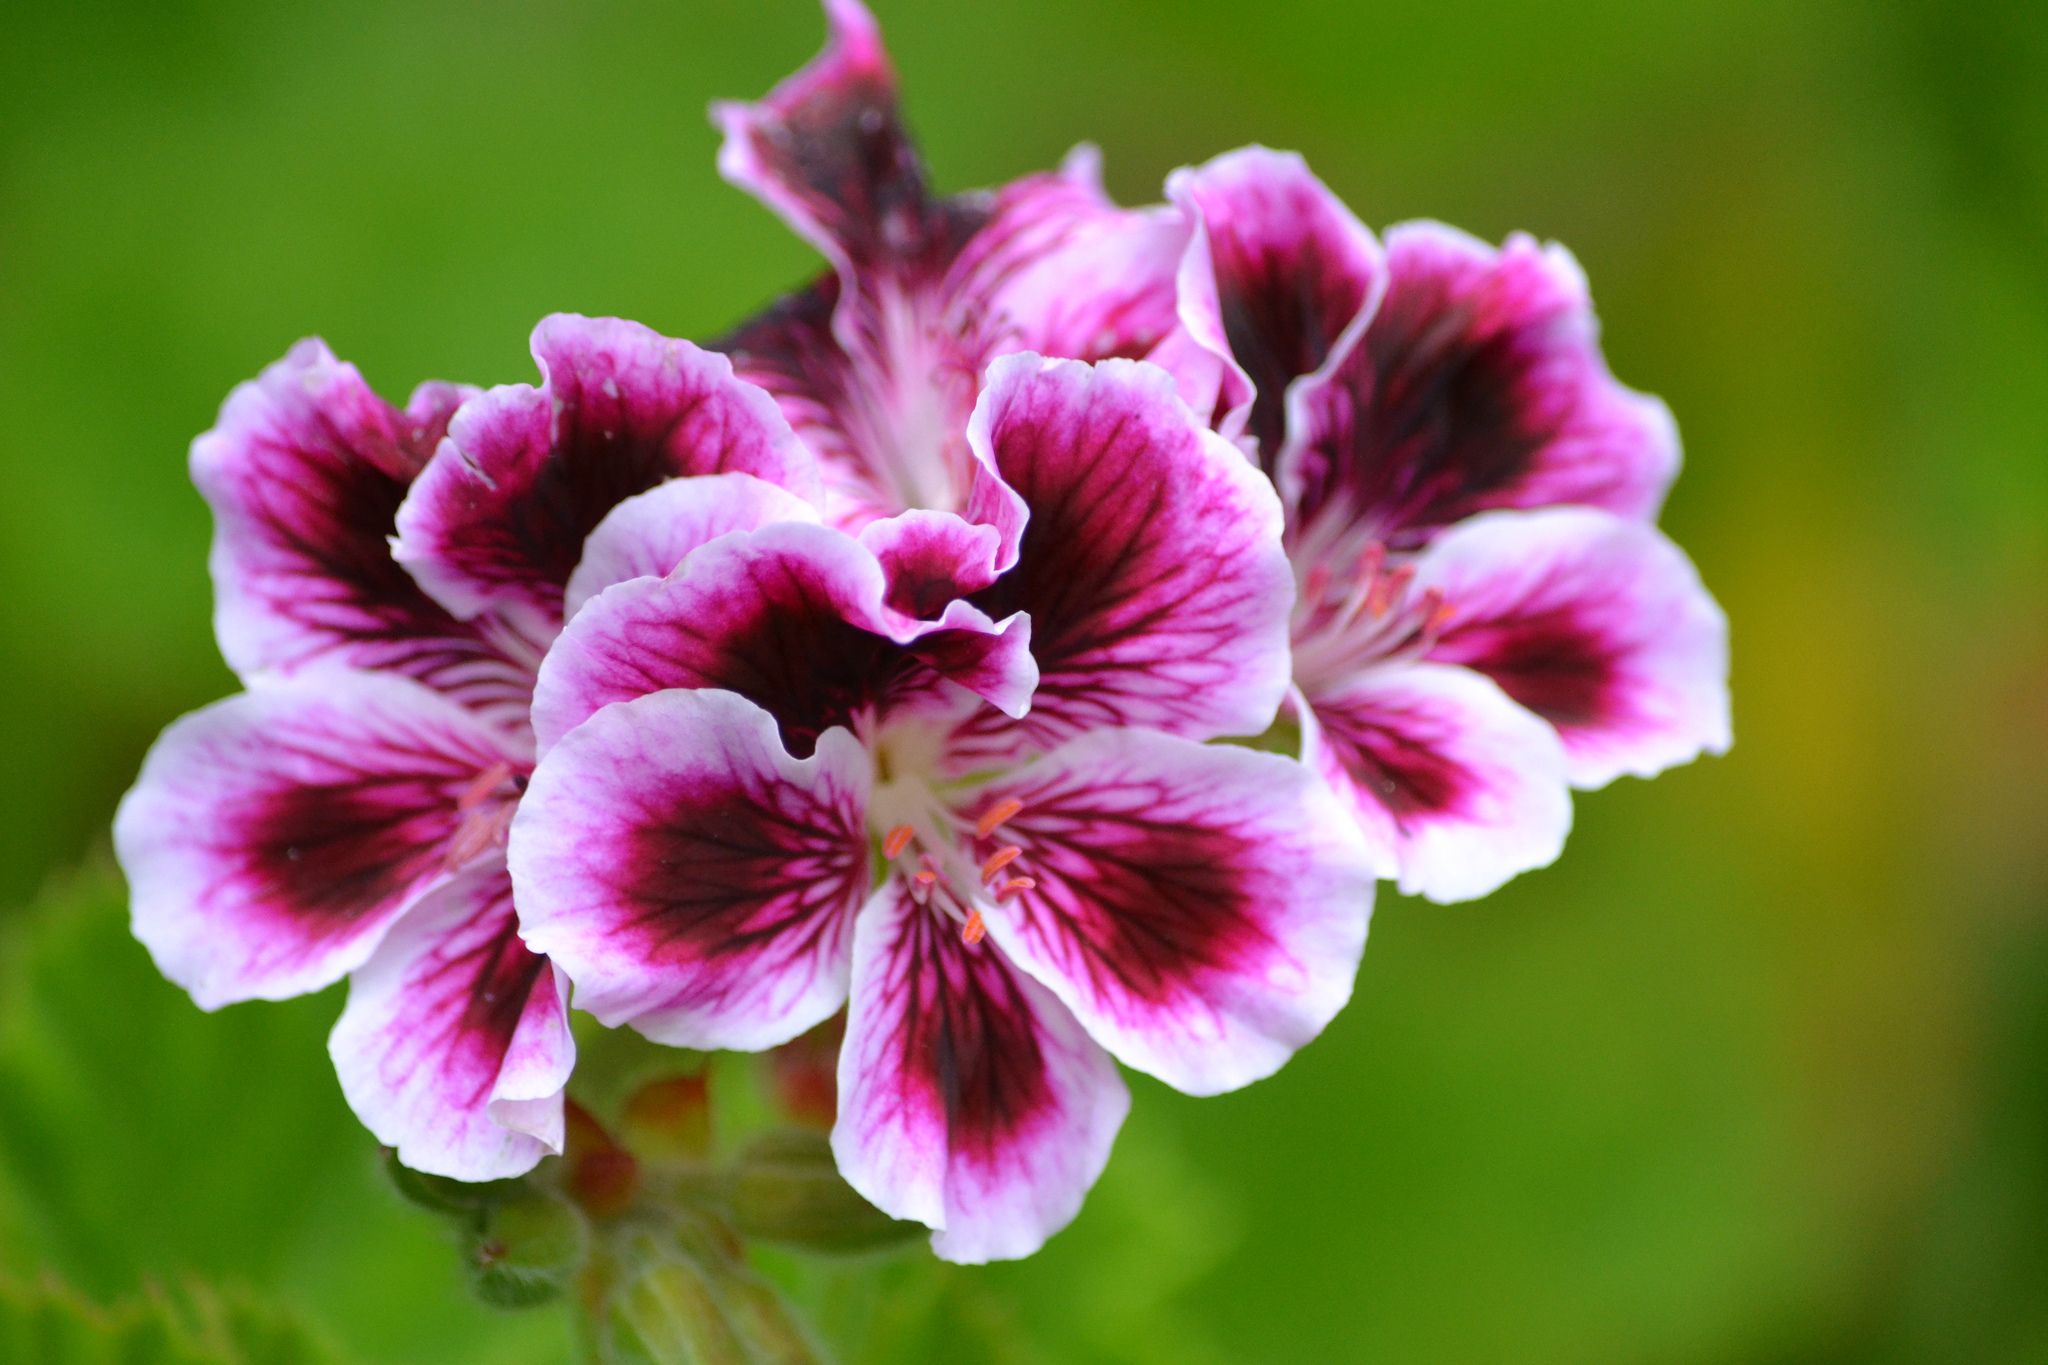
[
  {"x": 692, "y": 878},
  {"x": 273, "y": 837},
  {"x": 1598, "y": 624},
  {"x": 499, "y": 519},
  {"x": 1151, "y": 565},
  {"x": 305, "y": 472},
  {"x": 970, "y": 1099},
  {"x": 1201, "y": 908},
  {"x": 1455, "y": 786},
  {"x": 1296, "y": 275},
  {"x": 792, "y": 617},
  {"x": 455, "y": 1045},
  {"x": 1478, "y": 384}
]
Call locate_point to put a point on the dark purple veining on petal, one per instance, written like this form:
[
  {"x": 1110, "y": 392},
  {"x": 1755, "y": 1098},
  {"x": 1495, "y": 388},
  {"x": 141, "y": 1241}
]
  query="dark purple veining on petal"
[
  {"x": 1397, "y": 758},
  {"x": 477, "y": 987},
  {"x": 969, "y": 1039},
  {"x": 1551, "y": 662},
  {"x": 323, "y": 856}
]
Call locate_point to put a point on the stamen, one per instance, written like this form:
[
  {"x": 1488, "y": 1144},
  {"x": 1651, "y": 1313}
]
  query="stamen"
[
  {"x": 1436, "y": 613},
  {"x": 476, "y": 833},
  {"x": 1318, "y": 584},
  {"x": 1001, "y": 860},
  {"x": 1015, "y": 884},
  {"x": 487, "y": 781},
  {"x": 1387, "y": 590},
  {"x": 971, "y": 932},
  {"x": 925, "y": 878},
  {"x": 898, "y": 839},
  {"x": 988, "y": 823}
]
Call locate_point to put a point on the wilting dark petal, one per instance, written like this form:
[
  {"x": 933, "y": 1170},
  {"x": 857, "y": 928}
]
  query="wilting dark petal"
[
  {"x": 1456, "y": 787},
  {"x": 794, "y": 618},
  {"x": 1201, "y": 908},
  {"x": 272, "y": 838},
  {"x": 1151, "y": 564},
  {"x": 692, "y": 878},
  {"x": 1596, "y": 623},
  {"x": 1296, "y": 275},
  {"x": 305, "y": 472},
  {"x": 1478, "y": 384},
  {"x": 499, "y": 518},
  {"x": 455, "y": 1045},
  {"x": 648, "y": 534},
  {"x": 969, "y": 1098}
]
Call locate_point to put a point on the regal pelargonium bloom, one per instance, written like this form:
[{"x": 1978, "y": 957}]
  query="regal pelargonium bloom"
[
  {"x": 1487, "y": 613},
  {"x": 346, "y": 815},
  {"x": 765, "y": 792},
  {"x": 877, "y": 364}
]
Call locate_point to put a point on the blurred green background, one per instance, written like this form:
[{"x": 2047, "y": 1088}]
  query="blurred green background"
[{"x": 1757, "y": 1073}]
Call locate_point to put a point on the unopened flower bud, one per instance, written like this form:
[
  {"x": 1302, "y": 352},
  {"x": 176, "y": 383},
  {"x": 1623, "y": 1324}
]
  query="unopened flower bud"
[
  {"x": 669, "y": 1120},
  {"x": 527, "y": 1251},
  {"x": 786, "y": 1188}
]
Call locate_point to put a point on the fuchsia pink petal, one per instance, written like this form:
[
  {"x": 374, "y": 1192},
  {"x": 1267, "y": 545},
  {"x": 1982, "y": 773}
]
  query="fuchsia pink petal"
[
  {"x": 305, "y": 472},
  {"x": 794, "y": 618},
  {"x": 1457, "y": 787},
  {"x": 1151, "y": 565},
  {"x": 969, "y": 1098},
  {"x": 455, "y": 1045},
  {"x": 1200, "y": 908},
  {"x": 1296, "y": 276},
  {"x": 1597, "y": 624},
  {"x": 647, "y": 535},
  {"x": 272, "y": 838},
  {"x": 691, "y": 877},
  {"x": 1478, "y": 384},
  {"x": 499, "y": 518}
]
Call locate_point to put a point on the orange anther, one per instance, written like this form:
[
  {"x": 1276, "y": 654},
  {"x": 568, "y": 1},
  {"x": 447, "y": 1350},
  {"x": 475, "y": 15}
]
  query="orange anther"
[
  {"x": 924, "y": 878},
  {"x": 971, "y": 932},
  {"x": 1014, "y": 884},
  {"x": 1318, "y": 584},
  {"x": 487, "y": 781},
  {"x": 898, "y": 839},
  {"x": 1002, "y": 859},
  {"x": 996, "y": 815}
]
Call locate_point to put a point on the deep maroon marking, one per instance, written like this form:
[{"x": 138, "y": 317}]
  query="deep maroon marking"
[
  {"x": 718, "y": 869},
  {"x": 1551, "y": 662},
  {"x": 1438, "y": 412},
  {"x": 327, "y": 856},
  {"x": 969, "y": 1038},
  {"x": 1283, "y": 308},
  {"x": 1405, "y": 772},
  {"x": 1149, "y": 908},
  {"x": 481, "y": 994}
]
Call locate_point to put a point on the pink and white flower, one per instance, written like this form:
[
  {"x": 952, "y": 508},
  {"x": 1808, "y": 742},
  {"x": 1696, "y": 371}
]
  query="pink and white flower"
[
  {"x": 878, "y": 363},
  {"x": 1487, "y": 613},
  {"x": 775, "y": 782},
  {"x": 346, "y": 815}
]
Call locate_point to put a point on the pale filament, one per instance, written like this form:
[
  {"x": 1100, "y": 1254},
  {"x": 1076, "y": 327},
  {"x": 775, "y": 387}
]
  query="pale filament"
[{"x": 1366, "y": 615}]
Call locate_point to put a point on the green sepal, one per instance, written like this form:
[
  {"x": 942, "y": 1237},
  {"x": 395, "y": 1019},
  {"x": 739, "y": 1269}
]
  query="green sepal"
[
  {"x": 526, "y": 1251},
  {"x": 455, "y": 1198}
]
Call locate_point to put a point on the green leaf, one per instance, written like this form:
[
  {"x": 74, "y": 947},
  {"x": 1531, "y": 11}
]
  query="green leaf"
[{"x": 46, "y": 1322}]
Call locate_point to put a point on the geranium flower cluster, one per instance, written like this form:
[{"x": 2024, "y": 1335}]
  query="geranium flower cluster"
[{"x": 877, "y": 657}]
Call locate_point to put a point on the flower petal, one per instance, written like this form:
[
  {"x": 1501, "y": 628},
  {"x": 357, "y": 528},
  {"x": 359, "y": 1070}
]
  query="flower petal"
[
  {"x": 273, "y": 837},
  {"x": 792, "y": 617},
  {"x": 1151, "y": 565},
  {"x": 1598, "y": 624},
  {"x": 1296, "y": 275},
  {"x": 1458, "y": 787},
  {"x": 499, "y": 518},
  {"x": 969, "y": 1098},
  {"x": 305, "y": 472},
  {"x": 454, "y": 1026},
  {"x": 1478, "y": 384},
  {"x": 691, "y": 877},
  {"x": 648, "y": 534},
  {"x": 1200, "y": 908}
]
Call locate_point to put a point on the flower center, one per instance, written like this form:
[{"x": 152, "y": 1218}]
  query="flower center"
[
  {"x": 487, "y": 805},
  {"x": 911, "y": 419},
  {"x": 1361, "y": 614}
]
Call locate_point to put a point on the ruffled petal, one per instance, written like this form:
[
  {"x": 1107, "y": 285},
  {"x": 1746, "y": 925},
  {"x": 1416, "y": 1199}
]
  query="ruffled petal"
[
  {"x": 1456, "y": 786},
  {"x": 792, "y": 617},
  {"x": 455, "y": 1045},
  {"x": 1151, "y": 565},
  {"x": 1200, "y": 908},
  {"x": 305, "y": 472},
  {"x": 648, "y": 534},
  {"x": 970, "y": 1099},
  {"x": 691, "y": 877},
  {"x": 1478, "y": 384},
  {"x": 1598, "y": 624},
  {"x": 1296, "y": 275},
  {"x": 273, "y": 837},
  {"x": 498, "y": 520}
]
